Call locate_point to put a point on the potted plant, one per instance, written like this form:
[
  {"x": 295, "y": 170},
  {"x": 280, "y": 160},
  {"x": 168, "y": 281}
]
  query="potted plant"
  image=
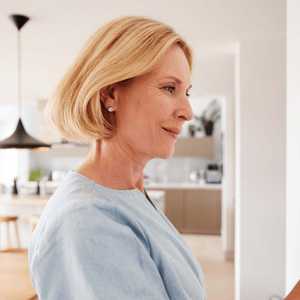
[
  {"x": 208, "y": 125},
  {"x": 35, "y": 176},
  {"x": 192, "y": 129}
]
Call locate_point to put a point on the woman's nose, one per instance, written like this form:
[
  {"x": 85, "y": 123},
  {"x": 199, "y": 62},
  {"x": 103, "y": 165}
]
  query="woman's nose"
[{"x": 185, "y": 111}]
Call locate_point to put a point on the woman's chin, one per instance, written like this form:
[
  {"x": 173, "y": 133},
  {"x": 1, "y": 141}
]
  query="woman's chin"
[{"x": 166, "y": 154}]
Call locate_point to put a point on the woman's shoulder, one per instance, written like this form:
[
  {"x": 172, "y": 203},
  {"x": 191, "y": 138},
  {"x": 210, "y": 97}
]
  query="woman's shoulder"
[
  {"x": 75, "y": 213},
  {"x": 73, "y": 198},
  {"x": 72, "y": 215},
  {"x": 83, "y": 229}
]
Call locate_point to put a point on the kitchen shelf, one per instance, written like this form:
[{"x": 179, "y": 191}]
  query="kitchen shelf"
[
  {"x": 69, "y": 149},
  {"x": 183, "y": 186},
  {"x": 203, "y": 147},
  {"x": 185, "y": 146}
]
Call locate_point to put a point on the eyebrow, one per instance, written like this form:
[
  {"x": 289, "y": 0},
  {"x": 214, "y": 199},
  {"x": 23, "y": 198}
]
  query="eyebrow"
[{"x": 176, "y": 79}]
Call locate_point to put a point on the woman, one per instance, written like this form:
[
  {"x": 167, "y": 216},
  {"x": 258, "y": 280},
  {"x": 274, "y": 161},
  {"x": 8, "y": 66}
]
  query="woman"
[{"x": 100, "y": 236}]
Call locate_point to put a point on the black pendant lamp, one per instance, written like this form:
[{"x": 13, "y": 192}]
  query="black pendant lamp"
[{"x": 20, "y": 139}]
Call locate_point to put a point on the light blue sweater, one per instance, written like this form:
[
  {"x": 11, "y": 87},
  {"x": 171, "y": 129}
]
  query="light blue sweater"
[{"x": 93, "y": 242}]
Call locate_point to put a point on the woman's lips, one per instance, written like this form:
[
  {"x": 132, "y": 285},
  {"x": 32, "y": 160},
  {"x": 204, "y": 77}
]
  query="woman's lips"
[{"x": 172, "y": 134}]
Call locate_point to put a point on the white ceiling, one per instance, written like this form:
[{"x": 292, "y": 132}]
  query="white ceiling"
[{"x": 58, "y": 30}]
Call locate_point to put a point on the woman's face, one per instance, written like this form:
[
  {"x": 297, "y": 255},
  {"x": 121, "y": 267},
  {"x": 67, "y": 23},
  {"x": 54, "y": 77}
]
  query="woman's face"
[{"x": 152, "y": 101}]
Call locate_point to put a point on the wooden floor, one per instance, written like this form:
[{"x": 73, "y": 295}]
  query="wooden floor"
[
  {"x": 218, "y": 273},
  {"x": 15, "y": 282}
]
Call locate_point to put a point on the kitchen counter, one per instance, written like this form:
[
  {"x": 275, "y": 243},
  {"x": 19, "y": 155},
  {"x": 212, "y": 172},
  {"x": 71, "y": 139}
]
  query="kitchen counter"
[
  {"x": 155, "y": 191},
  {"x": 23, "y": 206},
  {"x": 26, "y": 205},
  {"x": 33, "y": 204},
  {"x": 23, "y": 199},
  {"x": 183, "y": 185}
]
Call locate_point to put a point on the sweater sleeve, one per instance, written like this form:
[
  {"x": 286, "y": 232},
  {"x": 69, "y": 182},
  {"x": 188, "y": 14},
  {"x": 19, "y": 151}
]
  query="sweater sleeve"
[{"x": 93, "y": 256}]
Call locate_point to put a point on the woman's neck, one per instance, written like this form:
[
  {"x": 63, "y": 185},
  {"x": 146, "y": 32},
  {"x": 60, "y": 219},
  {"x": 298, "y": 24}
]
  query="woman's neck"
[{"x": 110, "y": 165}]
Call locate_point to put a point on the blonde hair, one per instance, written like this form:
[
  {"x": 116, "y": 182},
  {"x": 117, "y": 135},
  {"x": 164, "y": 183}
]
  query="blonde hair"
[{"x": 122, "y": 49}]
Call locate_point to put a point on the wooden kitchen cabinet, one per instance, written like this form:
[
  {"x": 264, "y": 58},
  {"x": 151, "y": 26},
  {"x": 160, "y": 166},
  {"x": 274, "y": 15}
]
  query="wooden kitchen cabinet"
[
  {"x": 174, "y": 207},
  {"x": 194, "y": 211},
  {"x": 202, "y": 212}
]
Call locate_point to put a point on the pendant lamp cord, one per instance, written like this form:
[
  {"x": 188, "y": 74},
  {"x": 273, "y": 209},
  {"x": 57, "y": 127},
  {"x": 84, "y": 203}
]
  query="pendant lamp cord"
[{"x": 19, "y": 76}]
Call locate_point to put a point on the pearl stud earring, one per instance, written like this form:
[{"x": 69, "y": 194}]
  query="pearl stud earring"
[{"x": 110, "y": 109}]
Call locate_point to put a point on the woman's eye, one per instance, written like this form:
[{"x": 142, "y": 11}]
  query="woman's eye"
[{"x": 170, "y": 88}]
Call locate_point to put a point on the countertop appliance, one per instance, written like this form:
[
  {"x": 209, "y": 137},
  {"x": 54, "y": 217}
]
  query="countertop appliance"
[{"x": 213, "y": 173}]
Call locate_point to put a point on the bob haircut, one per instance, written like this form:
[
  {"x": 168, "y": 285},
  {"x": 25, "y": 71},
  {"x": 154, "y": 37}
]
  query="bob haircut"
[{"x": 122, "y": 49}]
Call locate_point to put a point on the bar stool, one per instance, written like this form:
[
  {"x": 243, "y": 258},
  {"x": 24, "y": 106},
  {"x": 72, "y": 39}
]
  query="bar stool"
[
  {"x": 5, "y": 221},
  {"x": 33, "y": 220}
]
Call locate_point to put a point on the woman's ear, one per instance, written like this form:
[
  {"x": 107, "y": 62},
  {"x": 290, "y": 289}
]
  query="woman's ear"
[
  {"x": 110, "y": 91},
  {"x": 107, "y": 96}
]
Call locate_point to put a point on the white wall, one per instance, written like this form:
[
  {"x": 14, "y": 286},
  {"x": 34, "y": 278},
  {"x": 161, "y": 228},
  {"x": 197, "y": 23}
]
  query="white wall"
[
  {"x": 293, "y": 145},
  {"x": 261, "y": 169}
]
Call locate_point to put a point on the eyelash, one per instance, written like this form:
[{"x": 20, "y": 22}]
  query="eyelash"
[{"x": 173, "y": 88}]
